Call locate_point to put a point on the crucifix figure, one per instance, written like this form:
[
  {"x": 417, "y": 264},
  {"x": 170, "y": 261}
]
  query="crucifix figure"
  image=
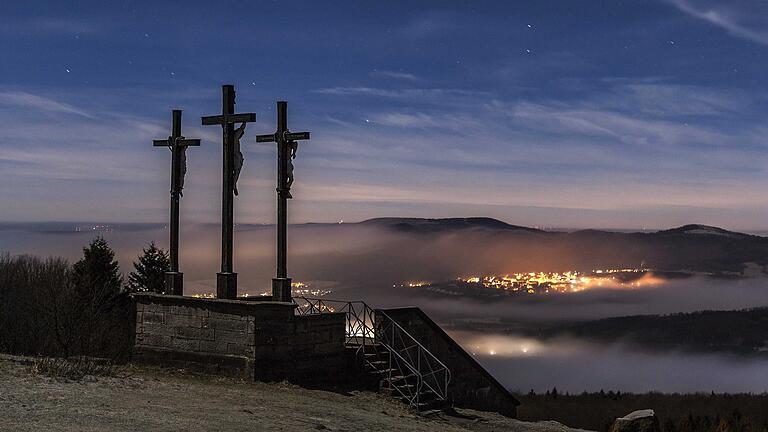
[
  {"x": 174, "y": 279},
  {"x": 226, "y": 279},
  {"x": 287, "y": 144}
]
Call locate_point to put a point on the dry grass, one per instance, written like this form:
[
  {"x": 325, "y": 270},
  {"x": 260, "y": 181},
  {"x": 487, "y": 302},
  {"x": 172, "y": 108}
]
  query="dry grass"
[{"x": 74, "y": 369}]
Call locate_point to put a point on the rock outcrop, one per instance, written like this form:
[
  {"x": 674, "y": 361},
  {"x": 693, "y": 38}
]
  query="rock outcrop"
[{"x": 637, "y": 421}]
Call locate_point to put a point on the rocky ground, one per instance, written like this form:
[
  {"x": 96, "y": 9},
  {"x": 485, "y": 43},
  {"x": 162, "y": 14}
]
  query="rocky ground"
[{"x": 152, "y": 399}]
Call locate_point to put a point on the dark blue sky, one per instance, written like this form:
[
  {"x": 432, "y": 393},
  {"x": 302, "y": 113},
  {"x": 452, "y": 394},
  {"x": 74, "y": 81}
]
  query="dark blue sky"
[{"x": 555, "y": 113}]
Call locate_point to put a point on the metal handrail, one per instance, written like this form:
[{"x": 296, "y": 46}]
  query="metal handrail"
[
  {"x": 361, "y": 323},
  {"x": 428, "y": 378},
  {"x": 359, "y": 317}
]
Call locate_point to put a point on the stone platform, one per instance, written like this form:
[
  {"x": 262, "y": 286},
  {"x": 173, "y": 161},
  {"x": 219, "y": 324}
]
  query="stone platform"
[{"x": 262, "y": 340}]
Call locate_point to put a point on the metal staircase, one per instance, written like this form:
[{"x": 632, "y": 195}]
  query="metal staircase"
[{"x": 403, "y": 366}]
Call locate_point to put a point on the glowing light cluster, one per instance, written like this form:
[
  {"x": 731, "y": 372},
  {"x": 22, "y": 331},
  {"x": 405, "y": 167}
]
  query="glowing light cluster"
[
  {"x": 302, "y": 289},
  {"x": 564, "y": 282},
  {"x": 299, "y": 289}
]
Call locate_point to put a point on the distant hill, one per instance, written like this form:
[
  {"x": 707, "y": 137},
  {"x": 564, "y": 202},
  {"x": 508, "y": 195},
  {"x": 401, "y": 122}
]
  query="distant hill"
[
  {"x": 486, "y": 243},
  {"x": 487, "y": 223},
  {"x": 446, "y": 224},
  {"x": 696, "y": 229}
]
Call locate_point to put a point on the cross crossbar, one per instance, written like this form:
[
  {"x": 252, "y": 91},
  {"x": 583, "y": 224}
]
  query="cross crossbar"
[
  {"x": 288, "y": 136},
  {"x": 230, "y": 118},
  {"x": 181, "y": 142}
]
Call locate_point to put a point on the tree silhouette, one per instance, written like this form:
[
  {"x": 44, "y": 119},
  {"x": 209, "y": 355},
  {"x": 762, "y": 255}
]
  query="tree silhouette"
[
  {"x": 97, "y": 283},
  {"x": 97, "y": 274},
  {"x": 149, "y": 270}
]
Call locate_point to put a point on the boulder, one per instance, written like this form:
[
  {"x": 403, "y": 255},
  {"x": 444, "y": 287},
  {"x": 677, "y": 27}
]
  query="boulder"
[{"x": 637, "y": 421}]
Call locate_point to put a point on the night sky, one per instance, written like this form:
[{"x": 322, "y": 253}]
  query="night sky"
[{"x": 606, "y": 114}]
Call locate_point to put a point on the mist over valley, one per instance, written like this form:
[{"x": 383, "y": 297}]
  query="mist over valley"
[{"x": 521, "y": 336}]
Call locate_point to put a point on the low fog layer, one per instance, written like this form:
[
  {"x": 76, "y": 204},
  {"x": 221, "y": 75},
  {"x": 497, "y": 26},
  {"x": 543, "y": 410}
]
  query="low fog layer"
[
  {"x": 352, "y": 255},
  {"x": 523, "y": 364},
  {"x": 359, "y": 262},
  {"x": 364, "y": 262},
  {"x": 677, "y": 295}
]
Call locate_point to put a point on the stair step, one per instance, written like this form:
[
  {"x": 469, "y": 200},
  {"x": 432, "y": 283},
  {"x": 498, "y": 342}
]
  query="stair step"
[
  {"x": 382, "y": 371},
  {"x": 400, "y": 386},
  {"x": 400, "y": 378},
  {"x": 422, "y": 405}
]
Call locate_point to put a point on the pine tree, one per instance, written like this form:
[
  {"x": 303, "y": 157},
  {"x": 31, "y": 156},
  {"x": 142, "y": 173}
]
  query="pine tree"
[
  {"x": 149, "y": 273},
  {"x": 97, "y": 282},
  {"x": 97, "y": 275}
]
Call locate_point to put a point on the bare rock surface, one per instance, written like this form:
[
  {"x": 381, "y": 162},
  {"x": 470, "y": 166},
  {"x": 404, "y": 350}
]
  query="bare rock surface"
[
  {"x": 151, "y": 399},
  {"x": 637, "y": 421}
]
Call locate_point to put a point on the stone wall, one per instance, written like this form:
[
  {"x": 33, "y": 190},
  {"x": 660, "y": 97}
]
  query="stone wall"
[
  {"x": 471, "y": 385},
  {"x": 313, "y": 353},
  {"x": 252, "y": 339}
]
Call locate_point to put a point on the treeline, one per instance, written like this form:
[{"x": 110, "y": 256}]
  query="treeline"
[
  {"x": 676, "y": 412},
  {"x": 739, "y": 332},
  {"x": 53, "y": 308}
]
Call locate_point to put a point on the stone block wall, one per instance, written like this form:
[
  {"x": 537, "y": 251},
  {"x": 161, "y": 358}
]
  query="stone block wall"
[
  {"x": 312, "y": 353},
  {"x": 252, "y": 339},
  {"x": 471, "y": 385}
]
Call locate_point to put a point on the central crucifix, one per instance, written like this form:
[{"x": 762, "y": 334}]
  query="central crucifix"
[
  {"x": 226, "y": 280},
  {"x": 286, "y": 151}
]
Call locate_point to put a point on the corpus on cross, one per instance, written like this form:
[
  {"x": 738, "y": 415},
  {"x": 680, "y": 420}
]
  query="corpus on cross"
[
  {"x": 287, "y": 144},
  {"x": 226, "y": 279},
  {"x": 174, "y": 279}
]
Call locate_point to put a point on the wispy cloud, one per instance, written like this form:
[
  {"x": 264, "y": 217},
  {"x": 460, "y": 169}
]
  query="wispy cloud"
[
  {"x": 393, "y": 75},
  {"x": 698, "y": 144},
  {"x": 31, "y": 101},
  {"x": 747, "y": 19},
  {"x": 434, "y": 96},
  {"x": 47, "y": 27}
]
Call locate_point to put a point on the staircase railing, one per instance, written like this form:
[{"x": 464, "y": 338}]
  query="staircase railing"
[
  {"x": 359, "y": 317},
  {"x": 367, "y": 329},
  {"x": 433, "y": 374}
]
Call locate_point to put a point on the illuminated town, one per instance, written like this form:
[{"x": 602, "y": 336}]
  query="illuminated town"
[
  {"x": 299, "y": 289},
  {"x": 541, "y": 282}
]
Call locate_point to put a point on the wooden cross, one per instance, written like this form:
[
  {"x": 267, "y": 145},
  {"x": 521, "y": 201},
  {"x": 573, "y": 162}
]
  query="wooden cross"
[
  {"x": 226, "y": 280},
  {"x": 286, "y": 140},
  {"x": 174, "y": 279}
]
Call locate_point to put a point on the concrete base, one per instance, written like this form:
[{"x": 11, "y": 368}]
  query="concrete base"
[
  {"x": 226, "y": 285},
  {"x": 174, "y": 283},
  {"x": 281, "y": 289}
]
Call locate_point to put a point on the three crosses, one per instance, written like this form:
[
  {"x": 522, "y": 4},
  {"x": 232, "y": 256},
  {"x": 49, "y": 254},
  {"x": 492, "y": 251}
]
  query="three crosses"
[{"x": 226, "y": 279}]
